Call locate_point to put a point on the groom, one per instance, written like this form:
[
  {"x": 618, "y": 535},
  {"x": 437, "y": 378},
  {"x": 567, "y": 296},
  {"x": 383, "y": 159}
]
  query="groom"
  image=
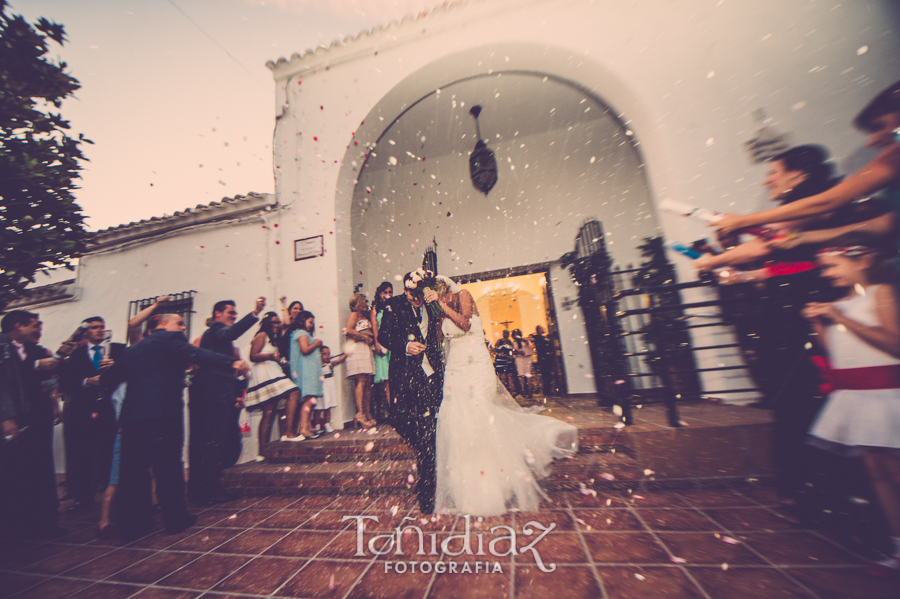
[{"x": 417, "y": 379}]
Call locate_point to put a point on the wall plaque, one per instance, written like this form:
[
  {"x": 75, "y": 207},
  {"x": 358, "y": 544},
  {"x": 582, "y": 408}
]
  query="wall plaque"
[{"x": 311, "y": 247}]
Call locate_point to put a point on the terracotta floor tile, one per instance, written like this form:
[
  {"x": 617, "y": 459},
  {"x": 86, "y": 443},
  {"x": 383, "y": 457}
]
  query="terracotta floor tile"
[
  {"x": 798, "y": 549},
  {"x": 578, "y": 500},
  {"x": 596, "y": 520},
  {"x": 155, "y": 567},
  {"x": 206, "y": 539},
  {"x": 261, "y": 576},
  {"x": 705, "y": 548},
  {"x": 158, "y": 593},
  {"x": 841, "y": 583},
  {"x": 55, "y": 588},
  {"x": 747, "y": 583},
  {"x": 562, "y": 519},
  {"x": 472, "y": 586},
  {"x": 740, "y": 519},
  {"x": 562, "y": 548},
  {"x": 58, "y": 564},
  {"x": 531, "y": 582},
  {"x": 352, "y": 504},
  {"x": 647, "y": 583},
  {"x": 162, "y": 540},
  {"x": 327, "y": 520},
  {"x": 323, "y": 578},
  {"x": 103, "y": 590},
  {"x": 378, "y": 584},
  {"x": 634, "y": 548},
  {"x": 29, "y": 554},
  {"x": 305, "y": 543},
  {"x": 764, "y": 495},
  {"x": 252, "y": 542},
  {"x": 313, "y": 502},
  {"x": 717, "y": 498},
  {"x": 287, "y": 518},
  {"x": 205, "y": 572},
  {"x": 655, "y": 499},
  {"x": 109, "y": 564},
  {"x": 277, "y": 502},
  {"x": 678, "y": 519},
  {"x": 244, "y": 519},
  {"x": 345, "y": 546}
]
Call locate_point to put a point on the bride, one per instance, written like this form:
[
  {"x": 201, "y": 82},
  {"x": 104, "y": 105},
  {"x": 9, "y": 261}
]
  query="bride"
[{"x": 490, "y": 452}]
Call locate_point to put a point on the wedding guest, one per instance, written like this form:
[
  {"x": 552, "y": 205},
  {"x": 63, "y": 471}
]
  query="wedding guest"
[
  {"x": 321, "y": 415},
  {"x": 544, "y": 348},
  {"x": 213, "y": 395},
  {"x": 89, "y": 423},
  {"x": 880, "y": 120},
  {"x": 504, "y": 363},
  {"x": 268, "y": 383},
  {"x": 360, "y": 364},
  {"x": 151, "y": 315},
  {"x": 306, "y": 370},
  {"x": 523, "y": 351},
  {"x": 289, "y": 312},
  {"x": 28, "y": 498},
  {"x": 384, "y": 292},
  {"x": 861, "y": 334},
  {"x": 152, "y": 422}
]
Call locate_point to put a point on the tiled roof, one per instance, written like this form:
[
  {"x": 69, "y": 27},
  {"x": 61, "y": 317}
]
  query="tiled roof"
[
  {"x": 338, "y": 43},
  {"x": 226, "y": 209}
]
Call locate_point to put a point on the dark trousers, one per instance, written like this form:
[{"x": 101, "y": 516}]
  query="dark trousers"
[
  {"x": 151, "y": 445},
  {"x": 212, "y": 429},
  {"x": 546, "y": 369},
  {"x": 413, "y": 416},
  {"x": 89, "y": 433},
  {"x": 28, "y": 499}
]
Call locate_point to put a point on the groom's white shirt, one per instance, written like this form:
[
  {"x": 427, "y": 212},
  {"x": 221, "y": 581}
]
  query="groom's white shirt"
[{"x": 423, "y": 326}]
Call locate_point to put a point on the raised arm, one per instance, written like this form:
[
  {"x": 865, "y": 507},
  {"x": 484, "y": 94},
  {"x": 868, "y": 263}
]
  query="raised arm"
[
  {"x": 134, "y": 325},
  {"x": 876, "y": 175},
  {"x": 880, "y": 227}
]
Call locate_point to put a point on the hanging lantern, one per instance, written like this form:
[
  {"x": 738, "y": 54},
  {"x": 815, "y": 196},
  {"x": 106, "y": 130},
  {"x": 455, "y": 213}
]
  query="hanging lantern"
[{"x": 482, "y": 163}]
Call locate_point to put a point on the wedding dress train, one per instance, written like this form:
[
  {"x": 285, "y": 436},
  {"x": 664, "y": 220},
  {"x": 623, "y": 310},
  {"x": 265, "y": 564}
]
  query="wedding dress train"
[{"x": 491, "y": 453}]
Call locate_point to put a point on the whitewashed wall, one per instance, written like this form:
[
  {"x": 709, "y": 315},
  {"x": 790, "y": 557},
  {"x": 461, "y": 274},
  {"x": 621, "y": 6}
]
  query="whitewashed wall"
[{"x": 685, "y": 76}]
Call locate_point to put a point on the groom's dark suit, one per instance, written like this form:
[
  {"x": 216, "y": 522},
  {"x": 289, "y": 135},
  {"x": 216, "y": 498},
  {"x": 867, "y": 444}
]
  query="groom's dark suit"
[{"x": 415, "y": 396}]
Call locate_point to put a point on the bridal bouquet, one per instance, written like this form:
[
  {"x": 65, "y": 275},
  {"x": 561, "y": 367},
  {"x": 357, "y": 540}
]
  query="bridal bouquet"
[{"x": 418, "y": 282}]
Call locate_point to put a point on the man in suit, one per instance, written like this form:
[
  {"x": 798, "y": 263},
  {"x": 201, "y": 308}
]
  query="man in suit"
[
  {"x": 28, "y": 500},
  {"x": 417, "y": 379},
  {"x": 213, "y": 394},
  {"x": 152, "y": 422},
  {"x": 89, "y": 420}
]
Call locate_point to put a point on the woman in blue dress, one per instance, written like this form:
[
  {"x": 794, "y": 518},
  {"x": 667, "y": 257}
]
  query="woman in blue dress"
[{"x": 306, "y": 369}]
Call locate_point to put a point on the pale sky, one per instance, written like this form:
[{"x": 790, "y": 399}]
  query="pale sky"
[{"x": 179, "y": 103}]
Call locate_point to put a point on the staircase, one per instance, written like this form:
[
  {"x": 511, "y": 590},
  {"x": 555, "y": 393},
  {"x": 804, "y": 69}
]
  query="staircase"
[{"x": 721, "y": 446}]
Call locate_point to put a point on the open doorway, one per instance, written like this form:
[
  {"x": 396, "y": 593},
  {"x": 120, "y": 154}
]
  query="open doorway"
[{"x": 521, "y": 298}]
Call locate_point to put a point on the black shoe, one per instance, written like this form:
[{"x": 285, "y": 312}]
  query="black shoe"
[{"x": 183, "y": 526}]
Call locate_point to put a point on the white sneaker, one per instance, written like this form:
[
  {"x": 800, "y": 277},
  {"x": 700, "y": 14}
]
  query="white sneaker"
[
  {"x": 328, "y": 428},
  {"x": 259, "y": 458},
  {"x": 293, "y": 439}
]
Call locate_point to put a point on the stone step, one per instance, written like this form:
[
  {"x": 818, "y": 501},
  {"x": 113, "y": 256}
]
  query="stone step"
[{"x": 383, "y": 443}]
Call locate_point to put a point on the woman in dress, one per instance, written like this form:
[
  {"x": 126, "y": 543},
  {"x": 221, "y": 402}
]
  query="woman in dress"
[
  {"x": 289, "y": 312},
  {"x": 384, "y": 292},
  {"x": 306, "y": 369},
  {"x": 861, "y": 334},
  {"x": 524, "y": 351},
  {"x": 490, "y": 452},
  {"x": 360, "y": 365},
  {"x": 268, "y": 383}
]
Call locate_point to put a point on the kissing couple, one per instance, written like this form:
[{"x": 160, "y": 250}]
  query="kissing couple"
[{"x": 478, "y": 452}]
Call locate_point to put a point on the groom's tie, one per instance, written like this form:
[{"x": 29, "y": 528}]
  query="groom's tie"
[{"x": 418, "y": 314}]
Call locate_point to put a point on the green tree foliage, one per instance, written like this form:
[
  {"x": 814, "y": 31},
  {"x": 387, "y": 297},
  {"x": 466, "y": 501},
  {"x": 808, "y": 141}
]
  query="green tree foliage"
[{"x": 42, "y": 226}]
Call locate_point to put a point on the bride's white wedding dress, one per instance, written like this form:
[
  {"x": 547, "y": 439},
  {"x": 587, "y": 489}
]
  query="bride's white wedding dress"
[{"x": 490, "y": 452}]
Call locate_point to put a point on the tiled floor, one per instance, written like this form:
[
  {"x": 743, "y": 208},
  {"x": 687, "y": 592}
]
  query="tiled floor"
[{"x": 696, "y": 543}]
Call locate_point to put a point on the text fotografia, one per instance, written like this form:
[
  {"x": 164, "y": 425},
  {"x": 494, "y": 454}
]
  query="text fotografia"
[{"x": 427, "y": 544}]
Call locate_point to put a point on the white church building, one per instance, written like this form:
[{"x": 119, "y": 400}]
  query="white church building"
[{"x": 594, "y": 109}]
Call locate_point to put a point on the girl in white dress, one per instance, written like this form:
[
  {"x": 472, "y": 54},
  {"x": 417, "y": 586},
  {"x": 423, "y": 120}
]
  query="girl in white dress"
[
  {"x": 862, "y": 416},
  {"x": 490, "y": 452}
]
